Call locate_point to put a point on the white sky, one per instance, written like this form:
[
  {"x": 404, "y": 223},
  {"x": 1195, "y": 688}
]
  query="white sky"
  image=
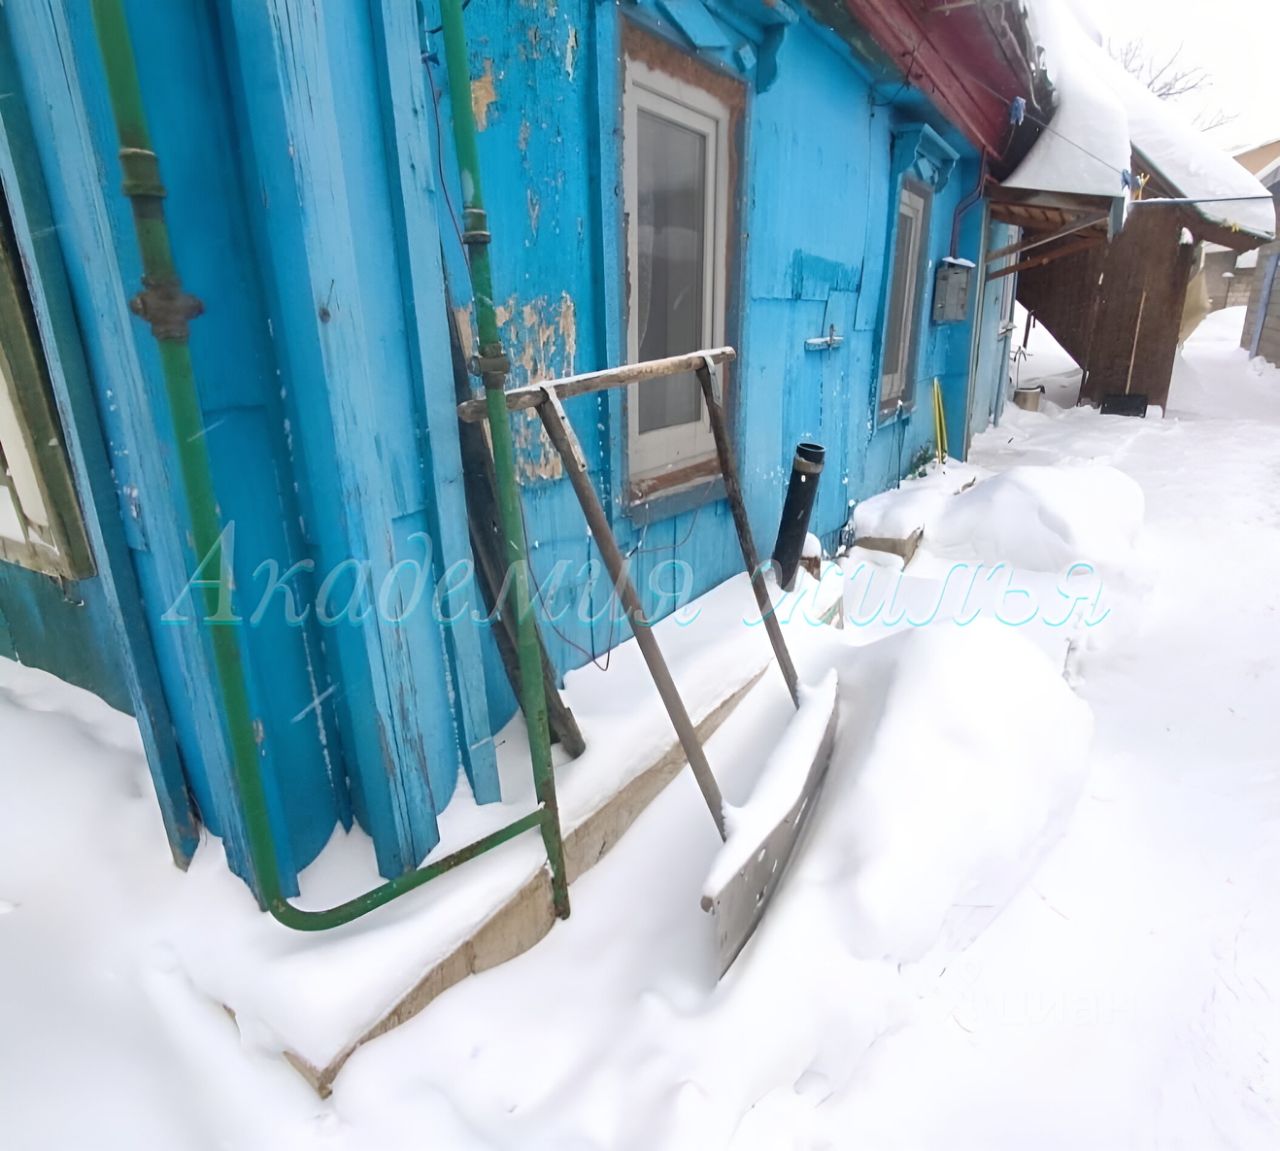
[{"x": 1236, "y": 41}]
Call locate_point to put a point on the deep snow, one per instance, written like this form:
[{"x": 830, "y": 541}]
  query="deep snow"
[
  {"x": 1038, "y": 360},
  {"x": 1122, "y": 998}
]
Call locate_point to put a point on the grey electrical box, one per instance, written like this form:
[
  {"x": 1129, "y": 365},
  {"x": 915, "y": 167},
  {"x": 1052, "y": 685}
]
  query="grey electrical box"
[{"x": 951, "y": 290}]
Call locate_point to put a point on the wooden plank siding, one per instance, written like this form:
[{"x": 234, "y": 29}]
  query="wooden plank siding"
[
  {"x": 1267, "y": 340},
  {"x": 1063, "y": 296},
  {"x": 814, "y": 197},
  {"x": 301, "y": 202},
  {"x": 1139, "y": 308},
  {"x": 1116, "y": 308},
  {"x": 313, "y": 202}
]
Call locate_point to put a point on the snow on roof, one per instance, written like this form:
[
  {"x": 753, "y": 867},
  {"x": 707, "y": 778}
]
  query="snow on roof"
[
  {"x": 1189, "y": 162},
  {"x": 1103, "y": 112},
  {"x": 1086, "y": 148}
]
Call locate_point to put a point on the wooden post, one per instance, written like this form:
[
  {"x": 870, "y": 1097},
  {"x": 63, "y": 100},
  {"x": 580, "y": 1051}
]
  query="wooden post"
[
  {"x": 737, "y": 505},
  {"x": 562, "y": 436}
]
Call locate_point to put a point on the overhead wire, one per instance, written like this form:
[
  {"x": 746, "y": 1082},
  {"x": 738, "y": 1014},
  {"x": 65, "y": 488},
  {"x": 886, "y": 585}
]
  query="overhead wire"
[{"x": 1123, "y": 173}]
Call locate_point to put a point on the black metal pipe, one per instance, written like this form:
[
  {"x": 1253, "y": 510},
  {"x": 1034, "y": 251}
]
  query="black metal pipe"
[{"x": 806, "y": 468}]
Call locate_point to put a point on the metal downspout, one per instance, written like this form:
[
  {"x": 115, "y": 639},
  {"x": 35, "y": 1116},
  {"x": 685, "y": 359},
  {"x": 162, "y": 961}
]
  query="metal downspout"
[
  {"x": 975, "y": 344},
  {"x": 164, "y": 305}
]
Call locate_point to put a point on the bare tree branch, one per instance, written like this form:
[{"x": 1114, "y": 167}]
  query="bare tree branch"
[
  {"x": 1169, "y": 78},
  {"x": 1210, "y": 119}
]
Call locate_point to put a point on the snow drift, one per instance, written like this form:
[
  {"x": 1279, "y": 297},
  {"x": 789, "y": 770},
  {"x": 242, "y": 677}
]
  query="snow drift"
[
  {"x": 971, "y": 756},
  {"x": 916, "y": 504},
  {"x": 1044, "y": 518},
  {"x": 1041, "y": 518}
]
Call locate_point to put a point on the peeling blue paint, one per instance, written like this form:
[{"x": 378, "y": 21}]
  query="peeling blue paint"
[
  {"x": 314, "y": 208},
  {"x": 814, "y": 204},
  {"x": 285, "y": 131}
]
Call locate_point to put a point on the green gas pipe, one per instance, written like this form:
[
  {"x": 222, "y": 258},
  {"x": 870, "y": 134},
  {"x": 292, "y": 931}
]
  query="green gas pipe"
[
  {"x": 492, "y": 366},
  {"x": 168, "y": 310}
]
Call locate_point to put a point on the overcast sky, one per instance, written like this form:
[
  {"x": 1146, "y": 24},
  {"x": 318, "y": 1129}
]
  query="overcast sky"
[{"x": 1236, "y": 41}]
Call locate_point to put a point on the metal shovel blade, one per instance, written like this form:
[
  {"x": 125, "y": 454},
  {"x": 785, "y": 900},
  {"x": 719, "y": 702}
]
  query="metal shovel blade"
[
  {"x": 754, "y": 859},
  {"x": 1125, "y": 404}
]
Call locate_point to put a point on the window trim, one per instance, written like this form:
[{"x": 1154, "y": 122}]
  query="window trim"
[
  {"x": 904, "y": 398},
  {"x": 24, "y": 376},
  {"x": 692, "y": 105}
]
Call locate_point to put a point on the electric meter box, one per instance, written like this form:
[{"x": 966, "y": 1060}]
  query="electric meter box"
[{"x": 951, "y": 291}]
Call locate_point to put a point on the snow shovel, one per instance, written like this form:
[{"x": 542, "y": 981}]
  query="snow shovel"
[
  {"x": 1128, "y": 403},
  {"x": 764, "y": 832},
  {"x": 760, "y": 836}
]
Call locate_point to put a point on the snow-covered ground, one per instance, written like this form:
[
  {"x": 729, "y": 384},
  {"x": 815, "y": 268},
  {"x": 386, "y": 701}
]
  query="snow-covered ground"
[
  {"x": 1033, "y": 911},
  {"x": 1038, "y": 359}
]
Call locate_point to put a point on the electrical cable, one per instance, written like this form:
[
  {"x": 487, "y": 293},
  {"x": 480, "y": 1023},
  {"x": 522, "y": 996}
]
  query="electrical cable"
[
  {"x": 439, "y": 150},
  {"x": 436, "y": 31},
  {"x": 906, "y": 82}
]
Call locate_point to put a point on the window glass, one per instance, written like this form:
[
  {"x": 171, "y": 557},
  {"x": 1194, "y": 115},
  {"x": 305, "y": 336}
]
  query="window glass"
[
  {"x": 40, "y": 524},
  {"x": 675, "y": 160},
  {"x": 671, "y": 222},
  {"x": 899, "y": 301},
  {"x": 903, "y": 307},
  {"x": 10, "y": 518},
  {"x": 20, "y": 468}
]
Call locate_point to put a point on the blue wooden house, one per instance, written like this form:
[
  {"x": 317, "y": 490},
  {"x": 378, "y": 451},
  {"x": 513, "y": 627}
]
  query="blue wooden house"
[{"x": 797, "y": 180}]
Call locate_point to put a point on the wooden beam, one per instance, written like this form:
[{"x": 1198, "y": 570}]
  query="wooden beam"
[
  {"x": 1066, "y": 230},
  {"x": 530, "y": 396},
  {"x": 1047, "y": 258}
]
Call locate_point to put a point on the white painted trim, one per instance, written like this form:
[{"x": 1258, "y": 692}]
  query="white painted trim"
[
  {"x": 692, "y": 107},
  {"x": 893, "y": 385}
]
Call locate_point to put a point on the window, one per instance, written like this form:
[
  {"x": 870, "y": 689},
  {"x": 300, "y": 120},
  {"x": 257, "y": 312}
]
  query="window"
[
  {"x": 40, "y": 524},
  {"x": 906, "y": 281},
  {"x": 676, "y": 169}
]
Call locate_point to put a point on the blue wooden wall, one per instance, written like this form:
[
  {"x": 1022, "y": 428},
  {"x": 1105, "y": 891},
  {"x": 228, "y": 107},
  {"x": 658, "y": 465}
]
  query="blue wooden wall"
[
  {"x": 301, "y": 203},
  {"x": 815, "y": 211},
  {"x": 314, "y": 212},
  {"x": 63, "y": 627},
  {"x": 93, "y": 632},
  {"x": 66, "y": 627},
  {"x": 991, "y": 375}
]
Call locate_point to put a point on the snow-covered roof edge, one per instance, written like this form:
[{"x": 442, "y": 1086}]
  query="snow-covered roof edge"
[
  {"x": 1227, "y": 193},
  {"x": 1104, "y": 115},
  {"x": 1084, "y": 150}
]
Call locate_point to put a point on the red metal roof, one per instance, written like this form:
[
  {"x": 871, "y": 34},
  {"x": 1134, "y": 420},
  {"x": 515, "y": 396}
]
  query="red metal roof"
[{"x": 968, "y": 56}]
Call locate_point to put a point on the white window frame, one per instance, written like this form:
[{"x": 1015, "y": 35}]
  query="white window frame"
[
  {"x": 897, "y": 388},
  {"x": 668, "y": 450},
  {"x": 41, "y": 526}
]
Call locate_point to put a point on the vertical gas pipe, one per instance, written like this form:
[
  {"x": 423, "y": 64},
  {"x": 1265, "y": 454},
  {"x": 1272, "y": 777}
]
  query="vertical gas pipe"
[
  {"x": 492, "y": 366},
  {"x": 167, "y": 308},
  {"x": 806, "y": 467}
]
